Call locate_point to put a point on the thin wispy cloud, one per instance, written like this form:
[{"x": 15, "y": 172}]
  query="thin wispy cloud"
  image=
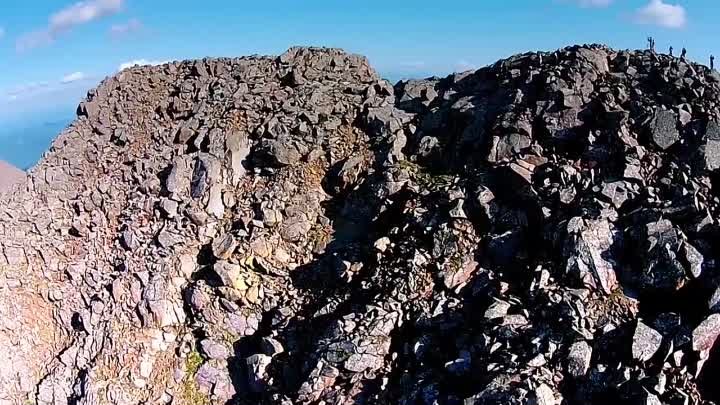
[
  {"x": 588, "y": 3},
  {"x": 593, "y": 3},
  {"x": 32, "y": 40},
  {"x": 24, "y": 90},
  {"x": 133, "y": 25},
  {"x": 83, "y": 12},
  {"x": 35, "y": 89},
  {"x": 73, "y": 77},
  {"x": 65, "y": 20},
  {"x": 140, "y": 62},
  {"x": 662, "y": 14}
]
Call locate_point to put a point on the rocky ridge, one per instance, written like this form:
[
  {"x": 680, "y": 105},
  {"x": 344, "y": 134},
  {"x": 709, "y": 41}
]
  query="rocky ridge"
[{"x": 296, "y": 230}]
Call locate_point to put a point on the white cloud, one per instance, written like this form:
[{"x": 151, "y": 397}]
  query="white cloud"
[
  {"x": 140, "y": 62},
  {"x": 73, "y": 77},
  {"x": 83, "y": 12},
  {"x": 131, "y": 26},
  {"x": 662, "y": 14},
  {"x": 33, "y": 39},
  {"x": 66, "y": 19}
]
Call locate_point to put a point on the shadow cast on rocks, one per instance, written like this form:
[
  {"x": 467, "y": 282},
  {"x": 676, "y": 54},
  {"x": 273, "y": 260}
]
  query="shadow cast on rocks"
[{"x": 330, "y": 286}]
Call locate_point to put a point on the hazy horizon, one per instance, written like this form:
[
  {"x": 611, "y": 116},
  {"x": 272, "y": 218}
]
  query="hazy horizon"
[{"x": 23, "y": 140}]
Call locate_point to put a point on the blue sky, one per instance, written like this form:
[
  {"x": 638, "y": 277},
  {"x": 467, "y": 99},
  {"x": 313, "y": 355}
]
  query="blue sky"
[{"x": 52, "y": 51}]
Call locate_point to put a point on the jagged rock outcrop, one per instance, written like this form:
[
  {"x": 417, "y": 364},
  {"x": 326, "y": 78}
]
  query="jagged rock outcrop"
[{"x": 296, "y": 230}]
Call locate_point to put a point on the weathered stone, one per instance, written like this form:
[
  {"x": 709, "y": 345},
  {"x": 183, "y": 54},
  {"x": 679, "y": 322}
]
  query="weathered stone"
[
  {"x": 128, "y": 240},
  {"x": 544, "y": 395},
  {"x": 497, "y": 309},
  {"x": 230, "y": 275},
  {"x": 214, "y": 380},
  {"x": 214, "y": 350},
  {"x": 256, "y": 366},
  {"x": 167, "y": 239},
  {"x": 712, "y": 146},
  {"x": 224, "y": 246},
  {"x": 283, "y": 153},
  {"x": 706, "y": 334},
  {"x": 651, "y": 399},
  {"x": 714, "y": 301},
  {"x": 271, "y": 347},
  {"x": 594, "y": 256},
  {"x": 662, "y": 268},
  {"x": 646, "y": 342},
  {"x": 617, "y": 192},
  {"x": 663, "y": 129},
  {"x": 579, "y": 356},
  {"x": 693, "y": 258},
  {"x": 169, "y": 208}
]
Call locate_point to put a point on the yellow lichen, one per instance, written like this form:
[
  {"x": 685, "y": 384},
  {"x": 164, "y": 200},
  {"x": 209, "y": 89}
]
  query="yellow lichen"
[
  {"x": 190, "y": 393},
  {"x": 425, "y": 179},
  {"x": 193, "y": 362}
]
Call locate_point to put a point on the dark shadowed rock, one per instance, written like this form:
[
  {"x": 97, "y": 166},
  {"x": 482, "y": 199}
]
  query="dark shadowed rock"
[{"x": 662, "y": 269}]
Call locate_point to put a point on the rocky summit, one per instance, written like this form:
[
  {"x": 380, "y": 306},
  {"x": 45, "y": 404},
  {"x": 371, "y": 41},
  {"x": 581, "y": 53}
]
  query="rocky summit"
[{"x": 296, "y": 230}]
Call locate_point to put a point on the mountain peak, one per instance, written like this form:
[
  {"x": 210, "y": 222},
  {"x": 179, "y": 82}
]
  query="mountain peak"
[{"x": 296, "y": 230}]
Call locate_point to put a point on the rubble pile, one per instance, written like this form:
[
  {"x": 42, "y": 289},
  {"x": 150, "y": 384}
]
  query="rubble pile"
[{"x": 296, "y": 230}]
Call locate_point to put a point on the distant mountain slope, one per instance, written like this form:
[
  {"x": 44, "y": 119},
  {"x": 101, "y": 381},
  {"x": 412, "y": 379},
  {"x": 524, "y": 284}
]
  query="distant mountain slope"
[{"x": 9, "y": 175}]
